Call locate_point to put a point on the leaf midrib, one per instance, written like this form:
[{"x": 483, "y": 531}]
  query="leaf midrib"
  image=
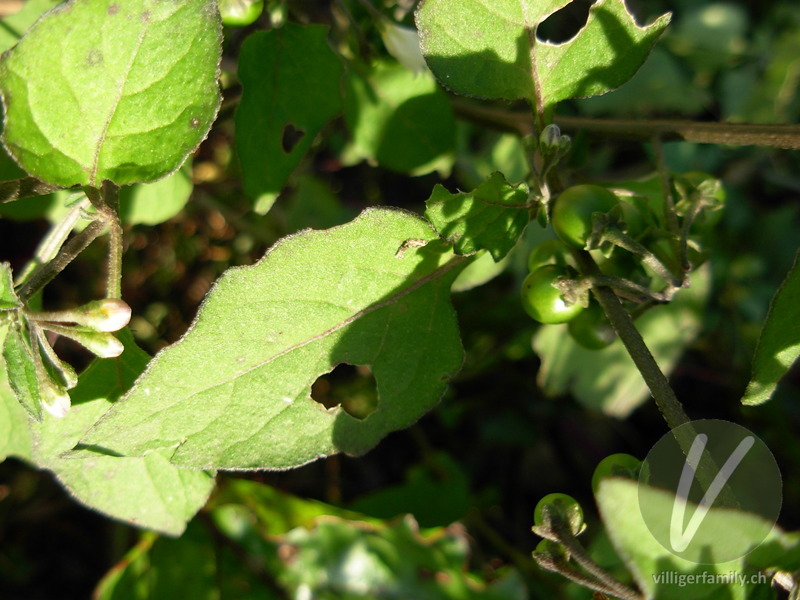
[{"x": 113, "y": 110}]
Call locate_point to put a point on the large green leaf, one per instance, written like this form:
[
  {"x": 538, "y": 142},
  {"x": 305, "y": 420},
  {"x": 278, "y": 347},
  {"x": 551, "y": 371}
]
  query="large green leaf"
[
  {"x": 659, "y": 573},
  {"x": 491, "y": 217},
  {"x": 147, "y": 492},
  {"x": 779, "y": 344},
  {"x": 144, "y": 491},
  {"x": 490, "y": 49},
  {"x": 106, "y": 90},
  {"x": 291, "y": 87},
  {"x": 607, "y": 379},
  {"x": 356, "y": 294},
  {"x": 400, "y": 119}
]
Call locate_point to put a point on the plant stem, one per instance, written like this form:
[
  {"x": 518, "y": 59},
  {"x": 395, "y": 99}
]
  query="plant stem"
[
  {"x": 53, "y": 241},
  {"x": 733, "y": 134},
  {"x": 106, "y": 201},
  {"x": 669, "y": 203},
  {"x": 656, "y": 381},
  {"x": 47, "y": 272},
  {"x": 618, "y": 238},
  {"x": 578, "y": 552}
]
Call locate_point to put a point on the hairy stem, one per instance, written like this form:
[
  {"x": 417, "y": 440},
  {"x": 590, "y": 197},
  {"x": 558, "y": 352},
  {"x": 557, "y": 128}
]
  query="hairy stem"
[
  {"x": 579, "y": 554},
  {"x": 656, "y": 381},
  {"x": 69, "y": 251},
  {"x": 53, "y": 241},
  {"x": 106, "y": 201}
]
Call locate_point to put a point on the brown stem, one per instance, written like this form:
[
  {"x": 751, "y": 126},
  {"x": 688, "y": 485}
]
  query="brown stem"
[{"x": 732, "y": 134}]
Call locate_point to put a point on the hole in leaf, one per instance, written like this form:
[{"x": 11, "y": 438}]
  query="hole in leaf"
[
  {"x": 564, "y": 24},
  {"x": 352, "y": 387},
  {"x": 291, "y": 137}
]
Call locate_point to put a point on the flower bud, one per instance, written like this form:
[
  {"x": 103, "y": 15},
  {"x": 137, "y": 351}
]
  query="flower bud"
[
  {"x": 403, "y": 44},
  {"x": 550, "y": 138},
  {"x": 55, "y": 399},
  {"x": 101, "y": 344},
  {"x": 109, "y": 314}
]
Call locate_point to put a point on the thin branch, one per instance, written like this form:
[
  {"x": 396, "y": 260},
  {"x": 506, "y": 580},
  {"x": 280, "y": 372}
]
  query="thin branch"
[
  {"x": 732, "y": 134},
  {"x": 656, "y": 381},
  {"x": 66, "y": 255}
]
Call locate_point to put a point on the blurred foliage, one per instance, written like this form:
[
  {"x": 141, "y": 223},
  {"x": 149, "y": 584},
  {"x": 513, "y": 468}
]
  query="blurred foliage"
[{"x": 497, "y": 442}]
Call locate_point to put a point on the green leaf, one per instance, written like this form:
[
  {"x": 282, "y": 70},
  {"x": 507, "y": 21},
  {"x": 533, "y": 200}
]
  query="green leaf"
[
  {"x": 607, "y": 379},
  {"x": 490, "y": 49},
  {"x": 154, "y": 203},
  {"x": 781, "y": 551},
  {"x": 144, "y": 491},
  {"x": 105, "y": 90},
  {"x": 356, "y": 294},
  {"x": 492, "y": 217},
  {"x": 8, "y": 299},
  {"x": 13, "y": 27},
  {"x": 779, "y": 344},
  {"x": 655, "y": 569},
  {"x": 15, "y": 438},
  {"x": 19, "y": 366},
  {"x": 283, "y": 107},
  {"x": 400, "y": 119}
]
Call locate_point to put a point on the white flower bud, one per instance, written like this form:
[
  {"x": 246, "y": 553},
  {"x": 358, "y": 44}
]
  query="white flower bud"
[
  {"x": 403, "y": 44},
  {"x": 109, "y": 314},
  {"x": 55, "y": 400}
]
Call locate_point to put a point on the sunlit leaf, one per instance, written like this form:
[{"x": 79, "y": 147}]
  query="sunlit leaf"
[
  {"x": 779, "y": 344},
  {"x": 490, "y": 49},
  {"x": 491, "y": 217},
  {"x": 365, "y": 293},
  {"x": 104, "y": 90},
  {"x": 657, "y": 571}
]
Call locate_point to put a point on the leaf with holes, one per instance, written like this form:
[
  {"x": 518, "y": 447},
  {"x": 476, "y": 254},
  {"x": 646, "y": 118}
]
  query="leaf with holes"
[
  {"x": 400, "y": 119},
  {"x": 284, "y": 106},
  {"x": 489, "y": 49},
  {"x": 492, "y": 217},
  {"x": 372, "y": 292},
  {"x": 109, "y": 90}
]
